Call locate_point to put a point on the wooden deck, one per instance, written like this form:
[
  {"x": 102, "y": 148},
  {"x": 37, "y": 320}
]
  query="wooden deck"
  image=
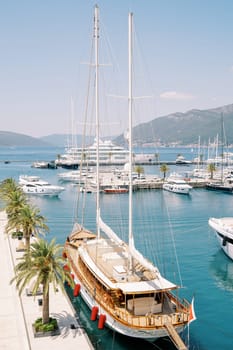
[
  {"x": 114, "y": 303},
  {"x": 109, "y": 256}
]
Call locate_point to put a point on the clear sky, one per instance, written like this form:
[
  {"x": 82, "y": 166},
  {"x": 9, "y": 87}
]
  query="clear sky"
[{"x": 187, "y": 46}]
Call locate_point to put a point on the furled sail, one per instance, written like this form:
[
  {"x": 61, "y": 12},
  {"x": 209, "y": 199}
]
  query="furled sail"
[
  {"x": 109, "y": 232},
  {"x": 137, "y": 255}
]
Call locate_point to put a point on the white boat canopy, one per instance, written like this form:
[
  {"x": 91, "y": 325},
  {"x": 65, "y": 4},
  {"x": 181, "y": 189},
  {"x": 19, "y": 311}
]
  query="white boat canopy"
[{"x": 156, "y": 285}]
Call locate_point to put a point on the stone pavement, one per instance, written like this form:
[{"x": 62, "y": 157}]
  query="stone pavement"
[{"x": 18, "y": 313}]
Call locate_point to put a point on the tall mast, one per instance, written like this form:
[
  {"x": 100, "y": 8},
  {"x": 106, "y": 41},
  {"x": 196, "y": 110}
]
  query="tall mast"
[
  {"x": 73, "y": 131},
  {"x": 130, "y": 106},
  {"x": 96, "y": 38},
  {"x": 222, "y": 146},
  {"x": 198, "y": 155}
]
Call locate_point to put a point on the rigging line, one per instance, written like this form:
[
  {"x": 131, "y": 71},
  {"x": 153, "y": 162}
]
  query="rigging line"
[
  {"x": 147, "y": 78},
  {"x": 116, "y": 74},
  {"x": 142, "y": 57},
  {"x": 84, "y": 139},
  {"x": 173, "y": 242},
  {"x": 84, "y": 143},
  {"x": 196, "y": 229},
  {"x": 110, "y": 47}
]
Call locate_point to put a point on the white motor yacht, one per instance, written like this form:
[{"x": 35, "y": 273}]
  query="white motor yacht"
[
  {"x": 76, "y": 176},
  {"x": 35, "y": 185},
  {"x": 177, "y": 184},
  {"x": 223, "y": 228},
  {"x": 180, "y": 160},
  {"x": 110, "y": 154}
]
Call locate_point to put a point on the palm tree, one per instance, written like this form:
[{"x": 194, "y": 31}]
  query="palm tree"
[
  {"x": 30, "y": 221},
  {"x": 211, "y": 169},
  {"x": 84, "y": 156},
  {"x": 201, "y": 158},
  {"x": 16, "y": 200},
  {"x": 8, "y": 186},
  {"x": 164, "y": 169},
  {"x": 139, "y": 170},
  {"x": 156, "y": 157},
  {"x": 110, "y": 157},
  {"x": 42, "y": 264}
]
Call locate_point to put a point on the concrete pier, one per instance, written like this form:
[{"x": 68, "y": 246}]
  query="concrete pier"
[{"x": 18, "y": 313}]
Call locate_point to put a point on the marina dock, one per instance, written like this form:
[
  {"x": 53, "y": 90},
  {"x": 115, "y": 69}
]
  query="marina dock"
[
  {"x": 144, "y": 182},
  {"x": 18, "y": 313},
  {"x": 147, "y": 185}
]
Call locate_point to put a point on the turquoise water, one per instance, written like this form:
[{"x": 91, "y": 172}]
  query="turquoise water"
[{"x": 169, "y": 220}]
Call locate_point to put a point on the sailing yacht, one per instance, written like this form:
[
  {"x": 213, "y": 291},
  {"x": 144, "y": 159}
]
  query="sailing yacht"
[{"x": 123, "y": 290}]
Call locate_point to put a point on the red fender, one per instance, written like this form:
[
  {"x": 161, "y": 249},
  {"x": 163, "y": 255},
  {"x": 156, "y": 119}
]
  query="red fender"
[
  {"x": 76, "y": 290},
  {"x": 94, "y": 313},
  {"x": 101, "y": 322}
]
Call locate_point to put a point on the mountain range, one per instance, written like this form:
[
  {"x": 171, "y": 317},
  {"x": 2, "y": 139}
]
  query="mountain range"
[
  {"x": 11, "y": 139},
  {"x": 177, "y": 129},
  {"x": 186, "y": 128}
]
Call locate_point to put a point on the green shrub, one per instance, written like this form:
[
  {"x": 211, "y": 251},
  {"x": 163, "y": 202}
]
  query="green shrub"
[
  {"x": 17, "y": 234},
  {"x": 46, "y": 327}
]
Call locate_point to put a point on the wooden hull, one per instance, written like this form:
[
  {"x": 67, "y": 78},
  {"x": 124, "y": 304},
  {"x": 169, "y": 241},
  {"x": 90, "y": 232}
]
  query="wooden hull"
[{"x": 118, "y": 318}]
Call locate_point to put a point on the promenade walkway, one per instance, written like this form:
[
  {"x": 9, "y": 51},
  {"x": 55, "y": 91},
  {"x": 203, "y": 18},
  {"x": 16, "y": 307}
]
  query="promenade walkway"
[{"x": 18, "y": 313}]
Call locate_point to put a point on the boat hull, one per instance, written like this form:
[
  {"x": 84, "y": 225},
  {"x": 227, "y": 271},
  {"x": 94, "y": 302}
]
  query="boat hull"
[
  {"x": 116, "y": 191},
  {"x": 219, "y": 187},
  {"x": 142, "y": 333},
  {"x": 223, "y": 229},
  {"x": 148, "y": 318},
  {"x": 42, "y": 192},
  {"x": 177, "y": 189}
]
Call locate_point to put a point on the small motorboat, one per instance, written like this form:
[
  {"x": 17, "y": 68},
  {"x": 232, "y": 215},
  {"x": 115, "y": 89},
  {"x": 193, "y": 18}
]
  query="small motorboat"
[
  {"x": 177, "y": 184},
  {"x": 116, "y": 189}
]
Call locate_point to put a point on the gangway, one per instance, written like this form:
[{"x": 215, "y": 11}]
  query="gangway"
[{"x": 178, "y": 342}]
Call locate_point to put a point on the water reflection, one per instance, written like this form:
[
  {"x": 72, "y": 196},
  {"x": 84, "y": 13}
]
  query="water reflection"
[
  {"x": 106, "y": 339},
  {"x": 221, "y": 268}
]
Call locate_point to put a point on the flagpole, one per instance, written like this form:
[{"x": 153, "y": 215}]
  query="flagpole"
[{"x": 188, "y": 335}]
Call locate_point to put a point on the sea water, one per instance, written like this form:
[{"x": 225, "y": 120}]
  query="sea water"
[{"x": 170, "y": 229}]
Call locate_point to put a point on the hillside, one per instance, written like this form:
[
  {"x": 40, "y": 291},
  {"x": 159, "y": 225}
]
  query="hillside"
[
  {"x": 185, "y": 128},
  {"x": 11, "y": 139}
]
